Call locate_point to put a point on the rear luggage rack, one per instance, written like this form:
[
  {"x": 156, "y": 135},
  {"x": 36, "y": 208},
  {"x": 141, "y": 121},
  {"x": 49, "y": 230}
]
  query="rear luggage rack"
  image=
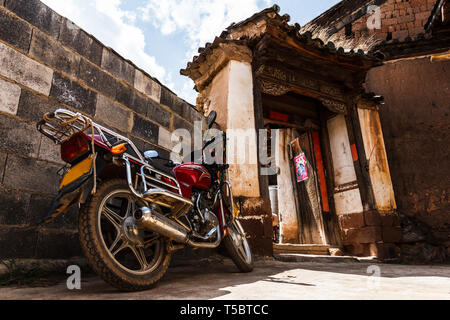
[{"x": 61, "y": 125}]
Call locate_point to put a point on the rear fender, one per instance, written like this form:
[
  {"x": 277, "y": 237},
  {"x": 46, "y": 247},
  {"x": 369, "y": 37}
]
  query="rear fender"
[{"x": 78, "y": 191}]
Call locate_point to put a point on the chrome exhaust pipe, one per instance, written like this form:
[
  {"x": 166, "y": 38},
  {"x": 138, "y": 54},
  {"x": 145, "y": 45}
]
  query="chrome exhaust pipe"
[
  {"x": 166, "y": 227},
  {"x": 156, "y": 222}
]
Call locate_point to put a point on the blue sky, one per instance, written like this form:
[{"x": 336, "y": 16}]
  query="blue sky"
[{"x": 161, "y": 36}]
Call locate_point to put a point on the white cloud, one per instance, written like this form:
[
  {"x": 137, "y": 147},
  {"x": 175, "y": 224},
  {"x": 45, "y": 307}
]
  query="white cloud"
[
  {"x": 200, "y": 20},
  {"x": 114, "y": 27}
]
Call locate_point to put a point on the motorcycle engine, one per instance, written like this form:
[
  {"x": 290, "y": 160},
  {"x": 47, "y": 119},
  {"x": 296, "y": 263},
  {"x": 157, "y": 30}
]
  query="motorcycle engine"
[{"x": 201, "y": 218}]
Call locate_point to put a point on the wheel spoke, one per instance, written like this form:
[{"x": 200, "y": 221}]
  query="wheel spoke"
[
  {"x": 123, "y": 246},
  {"x": 148, "y": 243},
  {"x": 140, "y": 256},
  {"x": 116, "y": 242},
  {"x": 238, "y": 240},
  {"x": 112, "y": 217},
  {"x": 130, "y": 207}
]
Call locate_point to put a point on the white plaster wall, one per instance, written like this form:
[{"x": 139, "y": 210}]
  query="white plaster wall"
[
  {"x": 348, "y": 202},
  {"x": 377, "y": 159},
  {"x": 344, "y": 169},
  {"x": 244, "y": 173}
]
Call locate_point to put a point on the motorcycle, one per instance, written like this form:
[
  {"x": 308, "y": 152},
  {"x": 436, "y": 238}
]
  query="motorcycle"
[{"x": 136, "y": 212}]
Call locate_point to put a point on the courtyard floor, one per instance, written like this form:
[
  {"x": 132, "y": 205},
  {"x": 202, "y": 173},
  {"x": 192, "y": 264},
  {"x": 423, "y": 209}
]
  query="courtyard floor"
[{"x": 271, "y": 280}]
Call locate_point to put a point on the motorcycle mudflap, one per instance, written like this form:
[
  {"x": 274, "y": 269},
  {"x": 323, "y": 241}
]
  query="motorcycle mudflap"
[
  {"x": 75, "y": 187},
  {"x": 79, "y": 170}
]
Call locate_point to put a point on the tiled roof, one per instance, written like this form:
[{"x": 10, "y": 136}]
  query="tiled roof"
[{"x": 282, "y": 22}]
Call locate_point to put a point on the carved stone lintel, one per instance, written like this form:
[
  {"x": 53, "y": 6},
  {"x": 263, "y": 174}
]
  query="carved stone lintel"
[
  {"x": 334, "y": 105},
  {"x": 272, "y": 88}
]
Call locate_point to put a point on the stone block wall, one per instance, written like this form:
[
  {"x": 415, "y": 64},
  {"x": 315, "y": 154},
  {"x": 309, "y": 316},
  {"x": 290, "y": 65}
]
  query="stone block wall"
[
  {"x": 371, "y": 233},
  {"x": 399, "y": 19},
  {"x": 47, "y": 62},
  {"x": 415, "y": 120}
]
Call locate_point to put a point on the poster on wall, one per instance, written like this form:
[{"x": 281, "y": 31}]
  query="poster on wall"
[{"x": 301, "y": 168}]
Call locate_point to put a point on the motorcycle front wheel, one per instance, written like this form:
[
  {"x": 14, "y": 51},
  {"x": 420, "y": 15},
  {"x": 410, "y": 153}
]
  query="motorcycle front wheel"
[
  {"x": 238, "y": 248},
  {"x": 117, "y": 249}
]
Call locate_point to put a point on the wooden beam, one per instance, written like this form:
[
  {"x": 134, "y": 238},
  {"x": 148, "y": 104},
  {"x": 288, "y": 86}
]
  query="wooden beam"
[{"x": 291, "y": 125}]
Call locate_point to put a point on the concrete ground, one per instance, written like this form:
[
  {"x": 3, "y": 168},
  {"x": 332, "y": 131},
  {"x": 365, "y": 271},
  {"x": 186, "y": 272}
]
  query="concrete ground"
[{"x": 271, "y": 280}]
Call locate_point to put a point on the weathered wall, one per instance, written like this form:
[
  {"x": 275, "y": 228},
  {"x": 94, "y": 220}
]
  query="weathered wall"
[
  {"x": 47, "y": 62},
  {"x": 399, "y": 19},
  {"x": 416, "y": 126},
  {"x": 231, "y": 93}
]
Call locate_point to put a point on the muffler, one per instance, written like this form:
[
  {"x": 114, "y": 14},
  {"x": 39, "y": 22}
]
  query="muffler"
[{"x": 156, "y": 222}]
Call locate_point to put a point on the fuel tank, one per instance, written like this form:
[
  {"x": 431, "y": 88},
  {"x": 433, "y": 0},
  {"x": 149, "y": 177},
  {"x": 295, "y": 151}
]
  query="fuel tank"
[{"x": 190, "y": 176}]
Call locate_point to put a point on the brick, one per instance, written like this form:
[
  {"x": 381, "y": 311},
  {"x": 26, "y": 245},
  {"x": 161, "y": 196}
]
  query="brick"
[
  {"x": 124, "y": 95},
  {"x": 24, "y": 70},
  {"x": 186, "y": 111},
  {"x": 168, "y": 98},
  {"x": 39, "y": 206},
  {"x": 358, "y": 249},
  {"x": 392, "y": 234},
  {"x": 362, "y": 235},
  {"x": 14, "y": 206},
  {"x": 19, "y": 137},
  {"x": 406, "y": 19},
  {"x": 17, "y": 242},
  {"x": 148, "y": 86},
  {"x": 98, "y": 79},
  {"x": 73, "y": 94},
  {"x": 165, "y": 138},
  {"x": 145, "y": 129},
  {"x": 372, "y": 218},
  {"x": 38, "y": 14},
  {"x": 30, "y": 174},
  {"x": 132, "y": 99},
  {"x": 50, "y": 52},
  {"x": 400, "y": 35},
  {"x": 9, "y": 97},
  {"x": 390, "y": 220},
  {"x": 351, "y": 221},
  {"x": 111, "y": 112},
  {"x": 32, "y": 107},
  {"x": 158, "y": 114},
  {"x": 50, "y": 151},
  {"x": 116, "y": 65},
  {"x": 78, "y": 40},
  {"x": 422, "y": 15},
  {"x": 14, "y": 31},
  {"x": 57, "y": 244},
  {"x": 179, "y": 123}
]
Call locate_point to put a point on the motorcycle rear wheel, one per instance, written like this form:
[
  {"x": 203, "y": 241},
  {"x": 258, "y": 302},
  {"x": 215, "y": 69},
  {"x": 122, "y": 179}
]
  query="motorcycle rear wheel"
[
  {"x": 122, "y": 254},
  {"x": 238, "y": 248}
]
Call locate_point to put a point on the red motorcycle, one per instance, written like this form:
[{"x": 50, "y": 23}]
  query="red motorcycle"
[{"x": 137, "y": 209}]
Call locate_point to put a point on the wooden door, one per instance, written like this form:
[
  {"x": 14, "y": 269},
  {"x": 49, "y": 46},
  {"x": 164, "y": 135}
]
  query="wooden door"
[{"x": 309, "y": 194}]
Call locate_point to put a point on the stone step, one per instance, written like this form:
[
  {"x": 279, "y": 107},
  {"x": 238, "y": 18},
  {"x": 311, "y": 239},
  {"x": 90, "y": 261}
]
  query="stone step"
[
  {"x": 316, "y": 249},
  {"x": 322, "y": 258}
]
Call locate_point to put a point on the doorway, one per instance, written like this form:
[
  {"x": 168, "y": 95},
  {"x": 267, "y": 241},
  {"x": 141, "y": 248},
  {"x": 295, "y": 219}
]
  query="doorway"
[{"x": 304, "y": 207}]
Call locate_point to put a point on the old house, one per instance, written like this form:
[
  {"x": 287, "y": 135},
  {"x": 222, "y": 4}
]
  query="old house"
[
  {"x": 334, "y": 92},
  {"x": 353, "y": 108},
  {"x": 414, "y": 38}
]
